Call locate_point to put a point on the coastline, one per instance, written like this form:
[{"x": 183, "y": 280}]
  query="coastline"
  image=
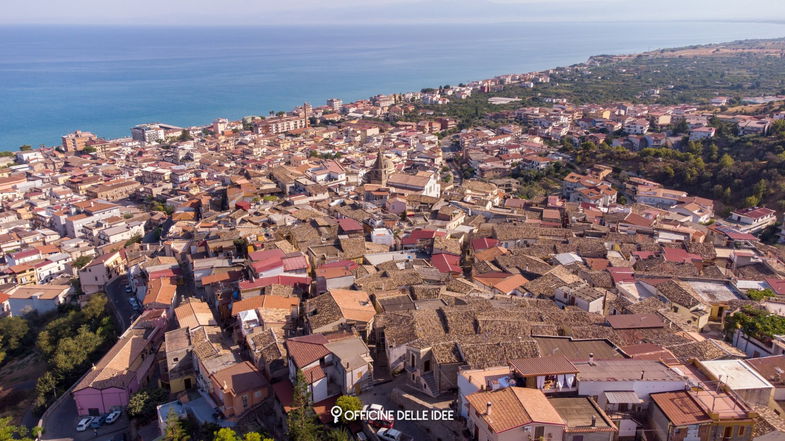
[{"x": 110, "y": 111}]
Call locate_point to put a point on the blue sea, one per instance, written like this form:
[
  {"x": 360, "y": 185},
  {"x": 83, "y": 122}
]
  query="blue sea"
[{"x": 54, "y": 80}]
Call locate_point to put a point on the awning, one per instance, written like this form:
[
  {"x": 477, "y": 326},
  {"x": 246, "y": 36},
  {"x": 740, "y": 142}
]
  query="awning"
[{"x": 618, "y": 397}]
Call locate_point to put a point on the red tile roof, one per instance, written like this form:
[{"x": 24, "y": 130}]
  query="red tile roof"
[
  {"x": 349, "y": 225},
  {"x": 447, "y": 263},
  {"x": 307, "y": 349},
  {"x": 275, "y": 280},
  {"x": 680, "y": 408}
]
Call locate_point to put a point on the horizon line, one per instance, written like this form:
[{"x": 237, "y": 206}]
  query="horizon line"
[{"x": 372, "y": 23}]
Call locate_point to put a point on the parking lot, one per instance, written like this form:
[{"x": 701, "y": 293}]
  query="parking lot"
[{"x": 61, "y": 425}]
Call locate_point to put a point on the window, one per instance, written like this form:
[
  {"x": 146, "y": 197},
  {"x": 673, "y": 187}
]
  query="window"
[
  {"x": 728, "y": 432},
  {"x": 577, "y": 438},
  {"x": 539, "y": 432},
  {"x": 427, "y": 366},
  {"x": 412, "y": 360},
  {"x": 740, "y": 432},
  {"x": 245, "y": 401},
  {"x": 622, "y": 407}
]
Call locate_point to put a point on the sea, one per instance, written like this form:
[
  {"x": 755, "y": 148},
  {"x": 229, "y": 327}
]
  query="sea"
[{"x": 57, "y": 79}]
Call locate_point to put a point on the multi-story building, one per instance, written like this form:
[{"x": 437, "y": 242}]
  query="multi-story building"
[
  {"x": 148, "y": 133},
  {"x": 74, "y": 142}
]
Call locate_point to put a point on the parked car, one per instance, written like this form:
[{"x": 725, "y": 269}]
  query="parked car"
[
  {"x": 112, "y": 416},
  {"x": 378, "y": 422},
  {"x": 97, "y": 422},
  {"x": 128, "y": 289},
  {"x": 386, "y": 434},
  {"x": 83, "y": 424},
  {"x": 135, "y": 304}
]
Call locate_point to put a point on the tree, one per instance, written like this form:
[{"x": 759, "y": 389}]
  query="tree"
[
  {"x": 137, "y": 238},
  {"x": 301, "y": 420},
  {"x": 174, "y": 428},
  {"x": 751, "y": 201},
  {"x": 81, "y": 261},
  {"x": 227, "y": 434},
  {"x": 46, "y": 385},
  {"x": 142, "y": 404},
  {"x": 185, "y": 135},
  {"x": 760, "y": 294},
  {"x": 12, "y": 331},
  {"x": 9, "y": 432},
  {"x": 348, "y": 403},
  {"x": 25, "y": 148},
  {"x": 726, "y": 161},
  {"x": 338, "y": 435},
  {"x": 680, "y": 127}
]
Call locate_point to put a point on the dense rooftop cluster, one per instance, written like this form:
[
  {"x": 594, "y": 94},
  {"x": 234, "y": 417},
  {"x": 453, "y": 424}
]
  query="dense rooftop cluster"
[{"x": 350, "y": 245}]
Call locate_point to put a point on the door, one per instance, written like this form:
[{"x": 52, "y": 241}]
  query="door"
[{"x": 187, "y": 383}]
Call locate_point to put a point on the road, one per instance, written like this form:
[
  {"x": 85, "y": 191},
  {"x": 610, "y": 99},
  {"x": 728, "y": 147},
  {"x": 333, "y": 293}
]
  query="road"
[
  {"x": 60, "y": 424},
  {"x": 381, "y": 394},
  {"x": 119, "y": 300}
]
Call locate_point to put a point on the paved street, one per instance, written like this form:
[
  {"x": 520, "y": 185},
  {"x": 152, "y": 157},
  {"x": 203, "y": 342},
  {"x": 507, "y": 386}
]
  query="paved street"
[
  {"x": 119, "y": 299},
  {"x": 381, "y": 394}
]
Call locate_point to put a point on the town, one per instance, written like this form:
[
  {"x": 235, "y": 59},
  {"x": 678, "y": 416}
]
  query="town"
[{"x": 382, "y": 270}]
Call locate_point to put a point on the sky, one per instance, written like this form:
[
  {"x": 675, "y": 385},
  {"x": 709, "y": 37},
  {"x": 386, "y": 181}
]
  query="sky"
[{"x": 355, "y": 12}]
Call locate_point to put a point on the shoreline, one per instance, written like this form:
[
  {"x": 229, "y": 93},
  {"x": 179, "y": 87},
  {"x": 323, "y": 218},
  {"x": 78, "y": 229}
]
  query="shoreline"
[{"x": 360, "y": 94}]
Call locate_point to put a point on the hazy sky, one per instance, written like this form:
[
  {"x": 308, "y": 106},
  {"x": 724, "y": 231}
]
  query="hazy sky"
[{"x": 271, "y": 12}]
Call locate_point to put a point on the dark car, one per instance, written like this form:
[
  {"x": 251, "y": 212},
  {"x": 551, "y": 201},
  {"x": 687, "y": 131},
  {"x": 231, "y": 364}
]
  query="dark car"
[{"x": 98, "y": 422}]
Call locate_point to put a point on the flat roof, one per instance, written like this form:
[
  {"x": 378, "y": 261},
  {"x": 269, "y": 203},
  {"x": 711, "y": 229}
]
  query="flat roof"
[
  {"x": 736, "y": 374},
  {"x": 577, "y": 412},
  {"x": 626, "y": 370},
  {"x": 577, "y": 350}
]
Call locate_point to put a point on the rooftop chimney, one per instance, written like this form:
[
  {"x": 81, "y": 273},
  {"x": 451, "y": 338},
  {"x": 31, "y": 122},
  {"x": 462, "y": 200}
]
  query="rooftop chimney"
[
  {"x": 594, "y": 421},
  {"x": 488, "y": 408},
  {"x": 591, "y": 358},
  {"x": 643, "y": 373}
]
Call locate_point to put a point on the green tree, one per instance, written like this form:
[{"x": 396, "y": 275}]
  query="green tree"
[
  {"x": 137, "y": 238},
  {"x": 12, "y": 331},
  {"x": 760, "y": 294},
  {"x": 185, "y": 135},
  {"x": 225, "y": 434},
  {"x": 726, "y": 161},
  {"x": 302, "y": 420},
  {"x": 81, "y": 261},
  {"x": 143, "y": 403},
  {"x": 46, "y": 386},
  {"x": 348, "y": 403},
  {"x": 751, "y": 201},
  {"x": 10, "y": 432},
  {"x": 338, "y": 435},
  {"x": 714, "y": 152},
  {"x": 174, "y": 428}
]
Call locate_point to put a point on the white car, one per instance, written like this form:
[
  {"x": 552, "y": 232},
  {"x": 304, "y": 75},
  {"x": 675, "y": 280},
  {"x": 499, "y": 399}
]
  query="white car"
[
  {"x": 113, "y": 416},
  {"x": 393, "y": 435},
  {"x": 83, "y": 424}
]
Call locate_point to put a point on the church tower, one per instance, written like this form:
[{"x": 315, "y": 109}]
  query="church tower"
[{"x": 381, "y": 169}]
